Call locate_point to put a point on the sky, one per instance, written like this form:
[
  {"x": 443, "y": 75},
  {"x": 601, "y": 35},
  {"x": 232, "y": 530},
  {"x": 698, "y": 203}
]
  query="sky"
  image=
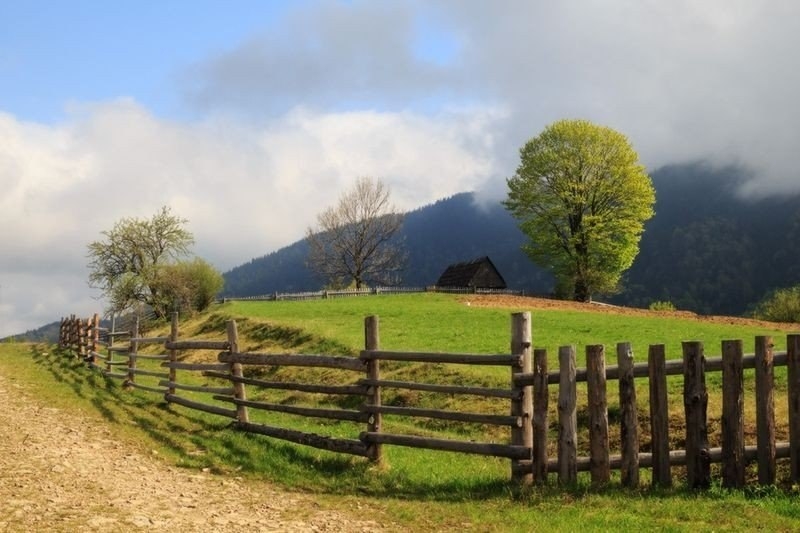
[{"x": 248, "y": 118}]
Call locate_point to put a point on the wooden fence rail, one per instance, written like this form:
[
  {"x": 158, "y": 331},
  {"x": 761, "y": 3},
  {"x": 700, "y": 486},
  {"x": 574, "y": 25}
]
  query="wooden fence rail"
[
  {"x": 329, "y": 294},
  {"x": 528, "y": 396}
]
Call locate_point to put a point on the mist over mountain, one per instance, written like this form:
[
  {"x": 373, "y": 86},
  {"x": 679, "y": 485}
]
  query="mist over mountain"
[{"x": 707, "y": 249}]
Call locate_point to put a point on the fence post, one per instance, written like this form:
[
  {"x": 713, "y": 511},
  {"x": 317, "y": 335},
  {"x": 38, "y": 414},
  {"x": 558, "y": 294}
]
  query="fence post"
[
  {"x": 133, "y": 348},
  {"x": 659, "y": 415},
  {"x": 173, "y": 353},
  {"x": 239, "y": 391},
  {"x": 73, "y": 335},
  {"x": 567, "y": 417},
  {"x": 95, "y": 338},
  {"x": 82, "y": 343},
  {"x": 109, "y": 351},
  {"x": 793, "y": 362},
  {"x": 375, "y": 421},
  {"x": 629, "y": 426},
  {"x": 599, "y": 463},
  {"x": 765, "y": 410},
  {"x": 540, "y": 401},
  {"x": 733, "y": 414},
  {"x": 695, "y": 403},
  {"x": 522, "y": 405}
]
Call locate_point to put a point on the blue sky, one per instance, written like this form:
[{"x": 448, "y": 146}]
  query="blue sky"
[{"x": 248, "y": 118}]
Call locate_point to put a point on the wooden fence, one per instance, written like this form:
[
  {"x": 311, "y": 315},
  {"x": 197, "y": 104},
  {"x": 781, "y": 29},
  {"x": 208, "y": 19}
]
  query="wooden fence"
[
  {"x": 527, "y": 397},
  {"x": 326, "y": 294}
]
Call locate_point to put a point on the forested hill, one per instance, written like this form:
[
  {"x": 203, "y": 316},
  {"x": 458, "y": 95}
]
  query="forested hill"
[
  {"x": 706, "y": 250},
  {"x": 711, "y": 251},
  {"x": 448, "y": 231}
]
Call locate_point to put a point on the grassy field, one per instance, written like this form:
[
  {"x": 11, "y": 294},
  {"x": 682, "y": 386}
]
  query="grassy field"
[
  {"x": 441, "y": 322},
  {"x": 422, "y": 490}
]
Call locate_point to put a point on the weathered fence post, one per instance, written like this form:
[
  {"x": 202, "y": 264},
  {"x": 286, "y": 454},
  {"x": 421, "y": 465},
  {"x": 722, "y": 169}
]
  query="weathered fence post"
[
  {"x": 765, "y": 410},
  {"x": 74, "y": 337},
  {"x": 522, "y": 406},
  {"x": 732, "y": 414},
  {"x": 236, "y": 370},
  {"x": 695, "y": 403},
  {"x": 659, "y": 415},
  {"x": 82, "y": 340},
  {"x": 375, "y": 421},
  {"x": 95, "y": 339},
  {"x": 599, "y": 462},
  {"x": 793, "y": 362},
  {"x": 567, "y": 417},
  {"x": 110, "y": 344},
  {"x": 133, "y": 348},
  {"x": 173, "y": 353},
  {"x": 540, "y": 401},
  {"x": 629, "y": 424}
]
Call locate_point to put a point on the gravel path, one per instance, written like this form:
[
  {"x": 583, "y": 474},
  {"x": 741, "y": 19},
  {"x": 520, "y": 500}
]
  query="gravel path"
[{"x": 63, "y": 472}]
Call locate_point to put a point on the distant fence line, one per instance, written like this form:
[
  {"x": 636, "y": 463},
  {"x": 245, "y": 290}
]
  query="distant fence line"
[
  {"x": 527, "y": 395},
  {"x": 324, "y": 294}
]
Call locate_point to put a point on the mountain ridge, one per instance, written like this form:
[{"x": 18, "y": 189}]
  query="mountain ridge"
[{"x": 706, "y": 250}]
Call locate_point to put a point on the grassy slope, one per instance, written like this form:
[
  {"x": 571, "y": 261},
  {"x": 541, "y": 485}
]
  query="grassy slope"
[
  {"x": 442, "y": 322},
  {"x": 425, "y": 490}
]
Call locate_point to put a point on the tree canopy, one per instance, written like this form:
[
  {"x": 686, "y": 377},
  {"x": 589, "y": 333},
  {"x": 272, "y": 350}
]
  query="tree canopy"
[
  {"x": 356, "y": 240},
  {"x": 582, "y": 197},
  {"x": 138, "y": 261}
]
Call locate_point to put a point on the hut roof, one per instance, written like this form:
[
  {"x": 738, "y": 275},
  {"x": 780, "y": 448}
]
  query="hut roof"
[{"x": 479, "y": 273}]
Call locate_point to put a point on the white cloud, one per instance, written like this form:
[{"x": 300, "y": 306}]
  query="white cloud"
[
  {"x": 685, "y": 80},
  {"x": 245, "y": 190}
]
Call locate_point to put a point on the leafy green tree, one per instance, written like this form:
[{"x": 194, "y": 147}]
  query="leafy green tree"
[
  {"x": 187, "y": 286},
  {"x": 582, "y": 197},
  {"x": 132, "y": 262},
  {"x": 356, "y": 240}
]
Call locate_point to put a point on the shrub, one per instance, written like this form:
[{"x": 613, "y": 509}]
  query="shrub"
[
  {"x": 187, "y": 286},
  {"x": 662, "y": 306},
  {"x": 782, "y": 305}
]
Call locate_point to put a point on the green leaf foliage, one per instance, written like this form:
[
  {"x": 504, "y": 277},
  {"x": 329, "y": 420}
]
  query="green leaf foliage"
[
  {"x": 782, "y": 305},
  {"x": 582, "y": 197},
  {"x": 138, "y": 262}
]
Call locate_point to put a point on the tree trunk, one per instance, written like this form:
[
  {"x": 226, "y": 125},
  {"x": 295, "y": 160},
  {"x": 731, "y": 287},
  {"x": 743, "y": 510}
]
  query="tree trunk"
[{"x": 581, "y": 291}]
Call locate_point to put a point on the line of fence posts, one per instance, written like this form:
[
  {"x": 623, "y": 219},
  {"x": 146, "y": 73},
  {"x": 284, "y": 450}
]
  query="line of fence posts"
[
  {"x": 529, "y": 402},
  {"x": 697, "y": 456}
]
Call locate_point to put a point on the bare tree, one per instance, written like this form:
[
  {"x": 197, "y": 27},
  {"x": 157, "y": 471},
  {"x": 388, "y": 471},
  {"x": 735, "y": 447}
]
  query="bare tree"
[{"x": 357, "y": 239}]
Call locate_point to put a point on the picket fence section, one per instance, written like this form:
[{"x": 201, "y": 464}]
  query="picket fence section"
[{"x": 116, "y": 354}]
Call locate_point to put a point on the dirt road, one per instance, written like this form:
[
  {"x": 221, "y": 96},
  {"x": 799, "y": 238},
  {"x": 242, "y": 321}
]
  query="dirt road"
[{"x": 63, "y": 472}]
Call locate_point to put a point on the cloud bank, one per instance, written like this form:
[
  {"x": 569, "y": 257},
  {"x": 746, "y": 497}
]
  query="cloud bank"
[
  {"x": 245, "y": 190},
  {"x": 684, "y": 80}
]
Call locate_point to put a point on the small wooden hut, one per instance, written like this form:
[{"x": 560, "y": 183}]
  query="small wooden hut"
[{"x": 476, "y": 274}]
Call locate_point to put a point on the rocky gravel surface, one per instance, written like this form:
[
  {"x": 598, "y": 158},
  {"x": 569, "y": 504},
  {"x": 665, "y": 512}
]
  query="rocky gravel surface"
[{"x": 63, "y": 472}]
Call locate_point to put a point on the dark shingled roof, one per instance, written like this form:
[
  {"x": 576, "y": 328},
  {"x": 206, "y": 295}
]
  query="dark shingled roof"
[{"x": 479, "y": 273}]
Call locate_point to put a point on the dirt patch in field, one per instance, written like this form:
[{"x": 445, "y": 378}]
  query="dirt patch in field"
[
  {"x": 528, "y": 303},
  {"x": 65, "y": 472}
]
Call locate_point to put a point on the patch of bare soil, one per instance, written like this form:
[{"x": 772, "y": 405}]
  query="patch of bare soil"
[
  {"x": 63, "y": 472},
  {"x": 528, "y": 303}
]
